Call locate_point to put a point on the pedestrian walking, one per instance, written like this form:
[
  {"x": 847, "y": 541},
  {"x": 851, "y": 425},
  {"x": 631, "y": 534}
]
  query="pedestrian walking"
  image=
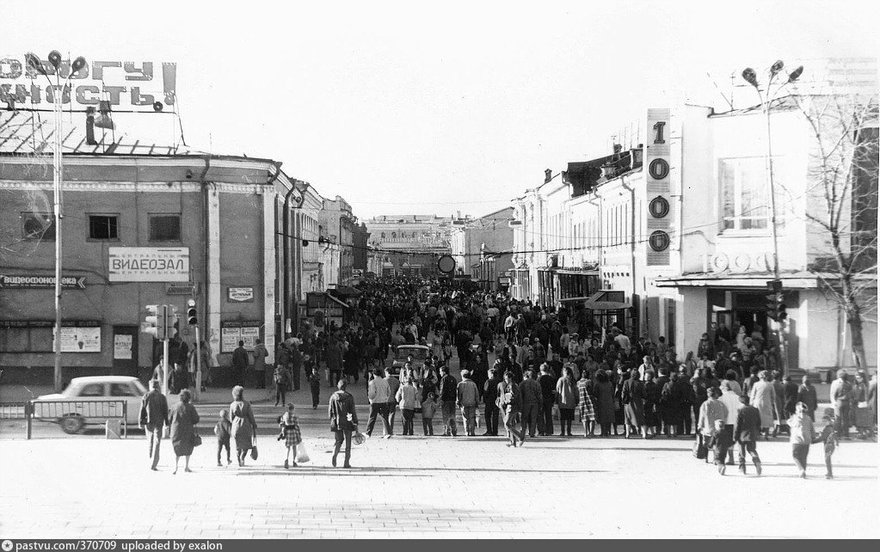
[
  {"x": 862, "y": 412},
  {"x": 448, "y": 392},
  {"x": 746, "y": 431},
  {"x": 315, "y": 386},
  {"x": 153, "y": 417},
  {"x": 378, "y": 393},
  {"x": 719, "y": 442},
  {"x": 244, "y": 426},
  {"x": 509, "y": 403},
  {"x": 239, "y": 364},
  {"x": 604, "y": 403},
  {"x": 291, "y": 435},
  {"x": 711, "y": 411},
  {"x": 429, "y": 407},
  {"x": 841, "y": 393},
  {"x": 183, "y": 430},
  {"x": 548, "y": 399},
  {"x": 633, "y": 398},
  {"x": 801, "y": 427},
  {"x": 828, "y": 438},
  {"x": 281, "y": 378},
  {"x": 343, "y": 421},
  {"x": 732, "y": 404},
  {"x": 763, "y": 397},
  {"x": 532, "y": 399},
  {"x": 393, "y": 387},
  {"x": 260, "y": 354},
  {"x": 807, "y": 394},
  {"x": 585, "y": 404},
  {"x": 223, "y": 432},
  {"x": 408, "y": 399}
]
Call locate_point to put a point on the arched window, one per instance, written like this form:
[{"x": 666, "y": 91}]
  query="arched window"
[
  {"x": 393, "y": 235},
  {"x": 383, "y": 235}
]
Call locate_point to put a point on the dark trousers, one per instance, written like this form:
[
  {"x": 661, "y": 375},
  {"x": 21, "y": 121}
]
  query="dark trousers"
[
  {"x": 261, "y": 379},
  {"x": 547, "y": 417},
  {"x": 428, "y": 426},
  {"x": 799, "y": 452},
  {"x": 530, "y": 414},
  {"x": 315, "y": 391},
  {"x": 408, "y": 421},
  {"x": 280, "y": 393},
  {"x": 294, "y": 371},
  {"x": 687, "y": 420},
  {"x": 342, "y": 436},
  {"x": 448, "y": 410},
  {"x": 220, "y": 446},
  {"x": 728, "y": 429},
  {"x": 748, "y": 446},
  {"x": 378, "y": 409},
  {"x": 491, "y": 419},
  {"x": 392, "y": 413}
]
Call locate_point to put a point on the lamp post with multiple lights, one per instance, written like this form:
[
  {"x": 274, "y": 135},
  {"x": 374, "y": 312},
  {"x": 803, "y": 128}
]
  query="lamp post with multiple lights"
[
  {"x": 766, "y": 97},
  {"x": 36, "y": 65}
]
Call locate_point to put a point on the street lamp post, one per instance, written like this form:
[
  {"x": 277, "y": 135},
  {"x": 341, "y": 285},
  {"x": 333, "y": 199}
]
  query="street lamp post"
[
  {"x": 36, "y": 65},
  {"x": 766, "y": 98}
]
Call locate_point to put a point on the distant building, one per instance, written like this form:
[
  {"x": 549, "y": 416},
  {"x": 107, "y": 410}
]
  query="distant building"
[
  {"x": 483, "y": 249},
  {"x": 409, "y": 244},
  {"x": 337, "y": 222}
]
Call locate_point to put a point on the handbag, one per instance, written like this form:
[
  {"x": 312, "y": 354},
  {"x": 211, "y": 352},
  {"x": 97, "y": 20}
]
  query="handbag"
[
  {"x": 254, "y": 452},
  {"x": 197, "y": 439},
  {"x": 701, "y": 451},
  {"x": 302, "y": 455}
]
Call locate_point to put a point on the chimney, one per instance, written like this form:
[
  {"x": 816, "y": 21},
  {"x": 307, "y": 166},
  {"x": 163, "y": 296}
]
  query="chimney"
[{"x": 548, "y": 175}]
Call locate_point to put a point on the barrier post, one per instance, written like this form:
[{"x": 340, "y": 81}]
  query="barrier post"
[{"x": 29, "y": 416}]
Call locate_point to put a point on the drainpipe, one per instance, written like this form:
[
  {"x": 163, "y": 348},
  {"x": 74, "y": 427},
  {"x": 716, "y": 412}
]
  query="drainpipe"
[
  {"x": 632, "y": 245},
  {"x": 205, "y": 209}
]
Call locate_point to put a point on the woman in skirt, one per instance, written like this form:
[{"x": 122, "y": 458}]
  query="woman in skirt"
[
  {"x": 585, "y": 405},
  {"x": 290, "y": 434}
]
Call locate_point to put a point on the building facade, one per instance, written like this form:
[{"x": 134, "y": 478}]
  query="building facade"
[{"x": 409, "y": 244}]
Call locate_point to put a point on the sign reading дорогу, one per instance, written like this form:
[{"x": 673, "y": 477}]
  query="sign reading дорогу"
[{"x": 149, "y": 264}]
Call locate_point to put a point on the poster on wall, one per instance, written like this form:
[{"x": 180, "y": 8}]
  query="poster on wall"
[
  {"x": 229, "y": 338},
  {"x": 233, "y": 332},
  {"x": 122, "y": 347},
  {"x": 80, "y": 340},
  {"x": 250, "y": 335}
]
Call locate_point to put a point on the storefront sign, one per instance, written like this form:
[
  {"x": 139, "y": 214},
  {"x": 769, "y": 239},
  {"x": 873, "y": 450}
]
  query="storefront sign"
[
  {"x": 188, "y": 288},
  {"x": 12, "y": 281},
  {"x": 122, "y": 347},
  {"x": 657, "y": 159},
  {"x": 739, "y": 263},
  {"x": 240, "y": 294},
  {"x": 141, "y": 85},
  {"x": 149, "y": 264}
]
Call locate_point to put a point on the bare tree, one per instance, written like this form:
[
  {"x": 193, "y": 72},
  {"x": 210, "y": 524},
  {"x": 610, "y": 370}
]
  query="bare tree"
[{"x": 841, "y": 203}]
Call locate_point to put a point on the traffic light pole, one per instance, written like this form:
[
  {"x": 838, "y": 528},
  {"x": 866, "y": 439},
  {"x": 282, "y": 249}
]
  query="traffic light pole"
[{"x": 198, "y": 387}]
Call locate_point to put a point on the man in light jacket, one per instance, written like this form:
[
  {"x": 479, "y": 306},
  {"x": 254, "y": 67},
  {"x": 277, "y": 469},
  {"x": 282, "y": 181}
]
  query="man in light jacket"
[
  {"x": 730, "y": 399},
  {"x": 467, "y": 398},
  {"x": 378, "y": 393}
]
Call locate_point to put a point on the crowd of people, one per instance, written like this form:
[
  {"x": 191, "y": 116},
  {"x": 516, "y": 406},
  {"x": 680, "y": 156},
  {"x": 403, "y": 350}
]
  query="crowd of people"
[{"x": 550, "y": 366}]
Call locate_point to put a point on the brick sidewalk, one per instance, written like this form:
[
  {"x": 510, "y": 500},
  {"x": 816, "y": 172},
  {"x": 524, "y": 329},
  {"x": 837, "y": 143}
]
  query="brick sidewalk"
[{"x": 440, "y": 487}]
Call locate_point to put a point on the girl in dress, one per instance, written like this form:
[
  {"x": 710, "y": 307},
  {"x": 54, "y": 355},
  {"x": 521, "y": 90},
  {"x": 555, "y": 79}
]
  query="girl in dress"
[{"x": 290, "y": 434}]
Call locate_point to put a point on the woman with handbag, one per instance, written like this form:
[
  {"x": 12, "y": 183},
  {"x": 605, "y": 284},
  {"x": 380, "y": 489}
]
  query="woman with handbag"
[
  {"x": 244, "y": 426},
  {"x": 183, "y": 429}
]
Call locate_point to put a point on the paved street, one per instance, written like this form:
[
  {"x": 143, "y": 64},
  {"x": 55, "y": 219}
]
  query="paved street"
[{"x": 441, "y": 487}]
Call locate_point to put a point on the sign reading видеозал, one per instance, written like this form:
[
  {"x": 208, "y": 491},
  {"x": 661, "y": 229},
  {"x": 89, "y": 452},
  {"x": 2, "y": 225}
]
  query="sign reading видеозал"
[{"x": 149, "y": 264}]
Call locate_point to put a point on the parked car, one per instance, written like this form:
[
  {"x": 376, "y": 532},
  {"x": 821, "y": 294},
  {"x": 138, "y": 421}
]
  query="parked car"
[
  {"x": 419, "y": 354},
  {"x": 85, "y": 401}
]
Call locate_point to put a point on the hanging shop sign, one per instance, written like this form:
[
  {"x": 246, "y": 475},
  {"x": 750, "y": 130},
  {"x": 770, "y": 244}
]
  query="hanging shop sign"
[
  {"x": 657, "y": 161},
  {"x": 240, "y": 294},
  {"x": 132, "y": 85},
  {"x": 15, "y": 281},
  {"x": 149, "y": 264}
]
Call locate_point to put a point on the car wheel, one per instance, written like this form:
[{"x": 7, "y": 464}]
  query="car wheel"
[{"x": 72, "y": 423}]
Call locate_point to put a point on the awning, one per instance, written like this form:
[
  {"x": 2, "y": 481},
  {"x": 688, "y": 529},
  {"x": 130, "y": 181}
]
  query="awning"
[
  {"x": 598, "y": 301},
  {"x": 335, "y": 300},
  {"x": 344, "y": 291},
  {"x": 570, "y": 272}
]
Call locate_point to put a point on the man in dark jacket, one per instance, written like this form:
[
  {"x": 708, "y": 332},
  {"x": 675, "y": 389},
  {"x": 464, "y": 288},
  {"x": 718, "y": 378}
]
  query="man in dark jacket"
[
  {"x": 532, "y": 399},
  {"x": 239, "y": 364},
  {"x": 490, "y": 395},
  {"x": 153, "y": 417},
  {"x": 448, "y": 391},
  {"x": 343, "y": 420},
  {"x": 807, "y": 395},
  {"x": 548, "y": 399},
  {"x": 746, "y": 432}
]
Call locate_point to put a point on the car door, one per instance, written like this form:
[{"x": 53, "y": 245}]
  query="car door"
[
  {"x": 89, "y": 394},
  {"x": 127, "y": 392}
]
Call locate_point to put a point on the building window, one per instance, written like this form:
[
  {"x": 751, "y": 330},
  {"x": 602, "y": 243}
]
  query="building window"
[
  {"x": 38, "y": 226},
  {"x": 164, "y": 227},
  {"x": 383, "y": 235},
  {"x": 103, "y": 227},
  {"x": 744, "y": 196}
]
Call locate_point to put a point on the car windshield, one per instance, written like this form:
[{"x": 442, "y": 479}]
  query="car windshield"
[{"x": 417, "y": 353}]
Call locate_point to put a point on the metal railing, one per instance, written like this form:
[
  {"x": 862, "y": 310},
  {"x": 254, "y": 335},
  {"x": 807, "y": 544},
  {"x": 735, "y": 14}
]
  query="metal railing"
[{"x": 72, "y": 414}]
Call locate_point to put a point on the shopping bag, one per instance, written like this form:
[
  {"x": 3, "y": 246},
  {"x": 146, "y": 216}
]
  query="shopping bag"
[
  {"x": 254, "y": 452},
  {"x": 700, "y": 450},
  {"x": 302, "y": 455},
  {"x": 358, "y": 438}
]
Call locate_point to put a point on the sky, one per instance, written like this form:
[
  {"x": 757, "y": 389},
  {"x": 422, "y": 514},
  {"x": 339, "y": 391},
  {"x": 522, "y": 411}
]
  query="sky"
[{"x": 419, "y": 107}]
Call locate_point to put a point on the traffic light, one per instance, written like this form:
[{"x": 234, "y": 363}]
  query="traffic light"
[
  {"x": 171, "y": 324},
  {"x": 776, "y": 301},
  {"x": 154, "y": 323},
  {"x": 192, "y": 317}
]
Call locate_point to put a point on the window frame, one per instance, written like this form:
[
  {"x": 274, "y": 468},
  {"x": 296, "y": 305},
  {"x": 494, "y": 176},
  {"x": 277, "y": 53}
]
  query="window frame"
[
  {"x": 151, "y": 216},
  {"x": 25, "y": 215},
  {"x": 738, "y": 217},
  {"x": 89, "y": 236}
]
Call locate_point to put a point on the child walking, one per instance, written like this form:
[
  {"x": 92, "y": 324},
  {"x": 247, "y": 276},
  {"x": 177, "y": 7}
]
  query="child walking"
[
  {"x": 291, "y": 435},
  {"x": 829, "y": 437},
  {"x": 720, "y": 442},
  {"x": 223, "y": 431},
  {"x": 429, "y": 406},
  {"x": 314, "y": 386}
]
